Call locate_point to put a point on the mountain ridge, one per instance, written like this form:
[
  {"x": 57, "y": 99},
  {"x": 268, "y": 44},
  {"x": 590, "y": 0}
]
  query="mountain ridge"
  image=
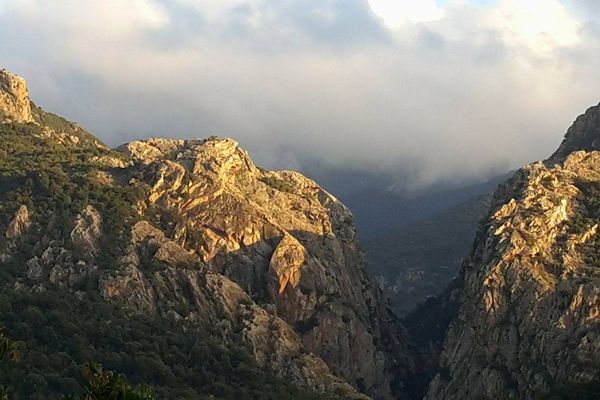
[
  {"x": 192, "y": 233},
  {"x": 526, "y": 325}
]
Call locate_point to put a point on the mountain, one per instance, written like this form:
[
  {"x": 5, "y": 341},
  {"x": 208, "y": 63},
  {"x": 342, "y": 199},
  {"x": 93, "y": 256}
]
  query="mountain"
[
  {"x": 421, "y": 259},
  {"x": 414, "y": 243},
  {"x": 348, "y": 180},
  {"x": 182, "y": 265},
  {"x": 528, "y": 294},
  {"x": 379, "y": 212}
]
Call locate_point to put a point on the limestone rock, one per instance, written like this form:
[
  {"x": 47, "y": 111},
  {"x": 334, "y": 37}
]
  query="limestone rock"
[
  {"x": 286, "y": 262},
  {"x": 86, "y": 234},
  {"x": 530, "y": 298},
  {"x": 286, "y": 242},
  {"x": 159, "y": 275},
  {"x": 19, "y": 224},
  {"x": 14, "y": 98},
  {"x": 584, "y": 134}
]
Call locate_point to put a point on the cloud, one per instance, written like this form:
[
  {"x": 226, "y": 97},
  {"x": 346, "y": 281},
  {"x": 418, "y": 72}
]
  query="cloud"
[
  {"x": 475, "y": 90},
  {"x": 395, "y": 13},
  {"x": 540, "y": 25}
]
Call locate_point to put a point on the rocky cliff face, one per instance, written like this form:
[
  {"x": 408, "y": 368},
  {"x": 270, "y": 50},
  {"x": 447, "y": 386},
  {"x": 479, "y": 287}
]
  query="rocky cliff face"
[
  {"x": 14, "y": 98},
  {"x": 159, "y": 277},
  {"x": 528, "y": 322},
  {"x": 192, "y": 231},
  {"x": 287, "y": 242}
]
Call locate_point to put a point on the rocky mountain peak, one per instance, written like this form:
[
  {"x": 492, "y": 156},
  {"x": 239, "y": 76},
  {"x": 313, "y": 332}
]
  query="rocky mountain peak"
[
  {"x": 14, "y": 98},
  {"x": 287, "y": 242},
  {"x": 528, "y": 317},
  {"x": 584, "y": 134},
  {"x": 218, "y": 155},
  {"x": 194, "y": 233}
]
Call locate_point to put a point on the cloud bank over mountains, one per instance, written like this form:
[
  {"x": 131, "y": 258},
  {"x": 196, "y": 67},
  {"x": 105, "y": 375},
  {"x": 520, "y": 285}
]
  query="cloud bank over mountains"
[{"x": 439, "y": 90}]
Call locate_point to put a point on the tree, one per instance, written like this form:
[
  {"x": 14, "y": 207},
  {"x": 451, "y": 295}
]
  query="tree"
[
  {"x": 8, "y": 351},
  {"x": 101, "y": 384}
]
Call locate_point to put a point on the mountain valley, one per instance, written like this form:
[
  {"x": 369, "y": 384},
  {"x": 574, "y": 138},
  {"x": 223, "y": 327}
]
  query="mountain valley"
[{"x": 183, "y": 266}]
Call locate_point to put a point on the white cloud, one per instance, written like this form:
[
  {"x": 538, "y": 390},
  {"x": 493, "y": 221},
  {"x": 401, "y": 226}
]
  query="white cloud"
[
  {"x": 542, "y": 25},
  {"x": 395, "y": 13},
  {"x": 77, "y": 21},
  {"x": 456, "y": 95},
  {"x": 215, "y": 10}
]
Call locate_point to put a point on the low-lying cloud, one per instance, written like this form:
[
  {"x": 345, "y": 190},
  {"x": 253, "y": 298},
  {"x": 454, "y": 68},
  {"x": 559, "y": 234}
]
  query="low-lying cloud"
[{"x": 460, "y": 93}]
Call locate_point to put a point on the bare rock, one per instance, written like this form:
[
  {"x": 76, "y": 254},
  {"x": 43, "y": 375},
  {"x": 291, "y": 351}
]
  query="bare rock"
[
  {"x": 34, "y": 269},
  {"x": 286, "y": 263},
  {"x": 530, "y": 301},
  {"x": 19, "y": 224},
  {"x": 14, "y": 99},
  {"x": 86, "y": 234},
  {"x": 160, "y": 275},
  {"x": 286, "y": 242}
]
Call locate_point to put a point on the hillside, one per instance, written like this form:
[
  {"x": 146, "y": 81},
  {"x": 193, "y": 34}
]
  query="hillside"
[
  {"x": 182, "y": 265},
  {"x": 527, "y": 324}
]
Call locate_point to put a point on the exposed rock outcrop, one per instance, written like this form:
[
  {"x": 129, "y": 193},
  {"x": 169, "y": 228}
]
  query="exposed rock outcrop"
[
  {"x": 19, "y": 224},
  {"x": 286, "y": 263},
  {"x": 85, "y": 236},
  {"x": 288, "y": 243},
  {"x": 14, "y": 98},
  {"x": 584, "y": 134},
  {"x": 528, "y": 323},
  {"x": 160, "y": 276}
]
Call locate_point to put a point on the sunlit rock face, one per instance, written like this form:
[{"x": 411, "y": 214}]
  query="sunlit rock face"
[
  {"x": 18, "y": 224},
  {"x": 288, "y": 243},
  {"x": 157, "y": 276},
  {"x": 528, "y": 323},
  {"x": 14, "y": 99}
]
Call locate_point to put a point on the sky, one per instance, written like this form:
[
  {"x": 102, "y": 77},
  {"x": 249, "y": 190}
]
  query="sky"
[{"x": 437, "y": 91}]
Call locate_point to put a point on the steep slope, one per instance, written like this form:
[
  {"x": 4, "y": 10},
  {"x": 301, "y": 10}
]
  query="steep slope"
[
  {"x": 528, "y": 322},
  {"x": 190, "y": 239},
  {"x": 421, "y": 259},
  {"x": 287, "y": 242}
]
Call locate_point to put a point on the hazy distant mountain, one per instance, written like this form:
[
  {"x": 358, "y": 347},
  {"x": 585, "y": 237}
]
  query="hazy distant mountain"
[
  {"x": 346, "y": 181},
  {"x": 421, "y": 259},
  {"x": 378, "y": 211}
]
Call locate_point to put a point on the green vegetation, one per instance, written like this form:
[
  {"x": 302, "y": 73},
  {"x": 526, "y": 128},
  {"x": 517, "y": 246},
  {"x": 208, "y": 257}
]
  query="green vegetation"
[
  {"x": 58, "y": 181},
  {"x": 278, "y": 184},
  {"x": 60, "y": 333},
  {"x": 8, "y": 351},
  {"x": 107, "y": 385},
  {"x": 59, "y": 124}
]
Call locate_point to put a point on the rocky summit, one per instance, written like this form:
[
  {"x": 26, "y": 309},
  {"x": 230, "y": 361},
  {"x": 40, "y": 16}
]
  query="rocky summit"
[
  {"x": 14, "y": 99},
  {"x": 191, "y": 234}
]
